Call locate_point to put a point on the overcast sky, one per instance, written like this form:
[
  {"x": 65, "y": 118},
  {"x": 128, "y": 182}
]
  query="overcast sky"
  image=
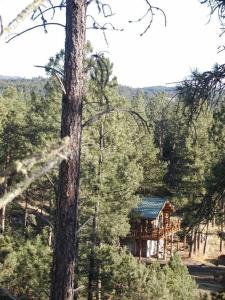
[{"x": 162, "y": 55}]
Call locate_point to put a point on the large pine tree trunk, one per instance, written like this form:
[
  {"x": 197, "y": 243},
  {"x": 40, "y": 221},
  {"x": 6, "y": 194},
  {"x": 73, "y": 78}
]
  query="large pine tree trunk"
[
  {"x": 62, "y": 285},
  {"x": 222, "y": 224}
]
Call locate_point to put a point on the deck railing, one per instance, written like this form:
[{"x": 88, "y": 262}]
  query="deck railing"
[{"x": 155, "y": 233}]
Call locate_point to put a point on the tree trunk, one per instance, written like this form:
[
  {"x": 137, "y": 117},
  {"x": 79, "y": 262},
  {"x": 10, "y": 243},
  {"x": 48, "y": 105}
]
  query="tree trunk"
[
  {"x": 191, "y": 243},
  {"x": 198, "y": 240},
  {"x": 92, "y": 265},
  {"x": 195, "y": 241},
  {"x": 62, "y": 284},
  {"x": 5, "y": 189},
  {"x": 25, "y": 213},
  {"x": 206, "y": 239},
  {"x": 2, "y": 220},
  {"x": 222, "y": 223},
  {"x": 94, "y": 270}
]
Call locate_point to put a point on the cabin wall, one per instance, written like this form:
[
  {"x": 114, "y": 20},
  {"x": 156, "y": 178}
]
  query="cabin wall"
[{"x": 144, "y": 248}]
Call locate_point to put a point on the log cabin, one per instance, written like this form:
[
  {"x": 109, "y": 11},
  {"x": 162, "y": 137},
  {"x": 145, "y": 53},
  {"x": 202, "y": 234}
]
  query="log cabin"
[{"x": 152, "y": 226}]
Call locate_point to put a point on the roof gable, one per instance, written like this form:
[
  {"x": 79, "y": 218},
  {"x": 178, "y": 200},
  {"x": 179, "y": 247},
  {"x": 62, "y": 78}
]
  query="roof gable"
[{"x": 150, "y": 207}]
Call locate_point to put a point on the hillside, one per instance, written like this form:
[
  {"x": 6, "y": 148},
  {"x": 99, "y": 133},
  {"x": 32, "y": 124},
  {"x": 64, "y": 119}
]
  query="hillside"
[
  {"x": 25, "y": 85},
  {"x": 129, "y": 92}
]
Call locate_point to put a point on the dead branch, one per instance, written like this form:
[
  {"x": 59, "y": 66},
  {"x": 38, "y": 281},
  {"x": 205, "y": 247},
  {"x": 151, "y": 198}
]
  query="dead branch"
[
  {"x": 103, "y": 8},
  {"x": 36, "y": 167},
  {"x": 150, "y": 13},
  {"x": 52, "y": 184},
  {"x": 84, "y": 224},
  {"x": 117, "y": 110},
  {"x": 51, "y": 69},
  {"x": 77, "y": 290},
  {"x": 56, "y": 74},
  {"x": 22, "y": 15},
  {"x": 105, "y": 26},
  {"x": 34, "y": 27},
  {"x": 42, "y": 12}
]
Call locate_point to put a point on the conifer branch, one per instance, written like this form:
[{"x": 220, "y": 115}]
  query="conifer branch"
[{"x": 202, "y": 89}]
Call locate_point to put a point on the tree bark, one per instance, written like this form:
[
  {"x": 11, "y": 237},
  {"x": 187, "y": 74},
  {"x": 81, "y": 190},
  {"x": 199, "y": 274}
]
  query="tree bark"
[
  {"x": 222, "y": 224},
  {"x": 62, "y": 284}
]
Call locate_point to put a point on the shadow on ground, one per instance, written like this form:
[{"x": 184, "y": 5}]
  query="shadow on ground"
[{"x": 208, "y": 278}]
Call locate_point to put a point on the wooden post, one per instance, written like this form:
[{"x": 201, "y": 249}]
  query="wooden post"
[
  {"x": 140, "y": 250},
  {"x": 191, "y": 244},
  {"x": 164, "y": 248},
  {"x": 157, "y": 253},
  {"x": 195, "y": 241}
]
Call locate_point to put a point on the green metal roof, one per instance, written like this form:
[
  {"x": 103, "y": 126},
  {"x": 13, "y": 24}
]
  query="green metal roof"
[{"x": 150, "y": 207}]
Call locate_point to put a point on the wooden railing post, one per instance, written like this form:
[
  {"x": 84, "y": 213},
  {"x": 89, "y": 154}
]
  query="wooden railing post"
[{"x": 157, "y": 252}]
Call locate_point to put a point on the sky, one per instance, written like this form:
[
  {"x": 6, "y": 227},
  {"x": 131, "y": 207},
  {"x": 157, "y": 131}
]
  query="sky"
[{"x": 165, "y": 54}]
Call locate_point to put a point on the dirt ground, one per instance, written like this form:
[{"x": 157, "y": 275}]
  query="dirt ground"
[{"x": 209, "y": 276}]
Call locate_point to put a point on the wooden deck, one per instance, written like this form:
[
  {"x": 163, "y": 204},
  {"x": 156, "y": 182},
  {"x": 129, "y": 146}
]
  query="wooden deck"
[{"x": 155, "y": 233}]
